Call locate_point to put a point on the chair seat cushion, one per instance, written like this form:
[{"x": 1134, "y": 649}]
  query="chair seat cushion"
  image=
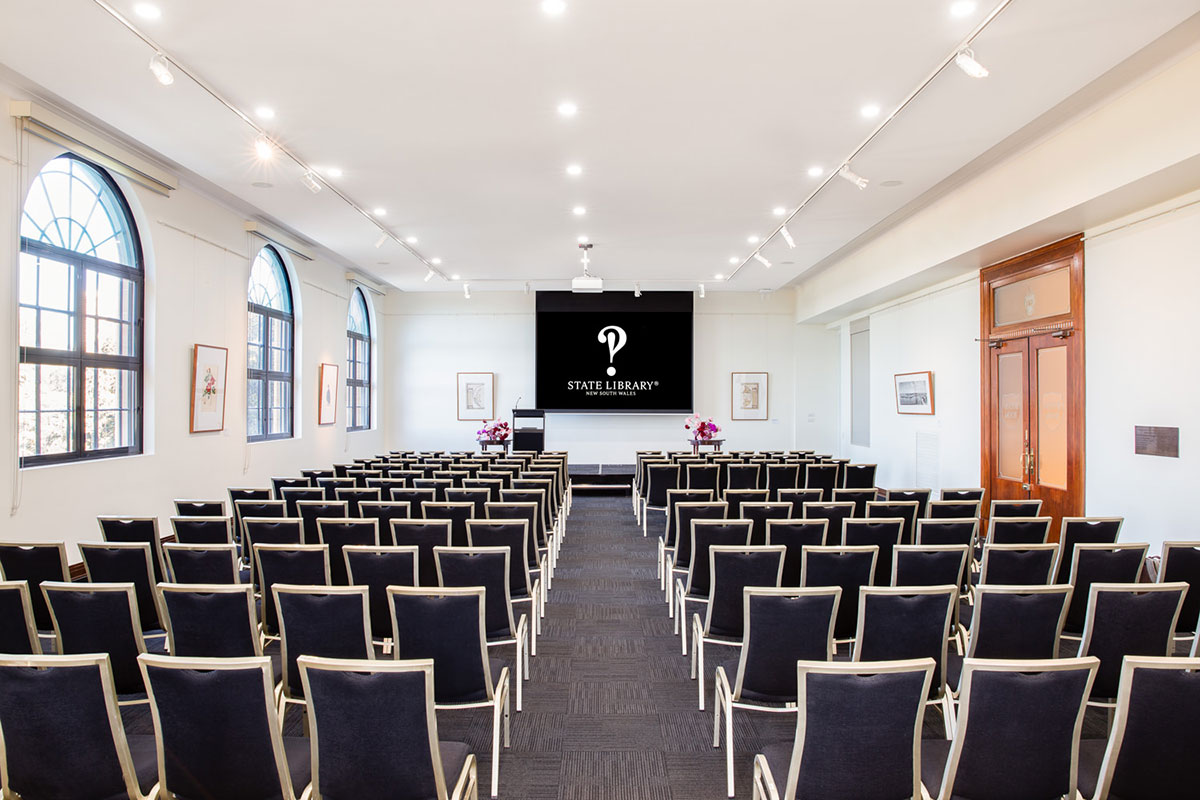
[
  {"x": 1091, "y": 754},
  {"x": 934, "y": 753},
  {"x": 145, "y": 760},
  {"x": 454, "y": 758},
  {"x": 779, "y": 759},
  {"x": 298, "y": 750}
]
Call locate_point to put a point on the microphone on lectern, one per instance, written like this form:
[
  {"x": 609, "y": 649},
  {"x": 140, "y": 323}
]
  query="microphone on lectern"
[{"x": 518, "y": 403}]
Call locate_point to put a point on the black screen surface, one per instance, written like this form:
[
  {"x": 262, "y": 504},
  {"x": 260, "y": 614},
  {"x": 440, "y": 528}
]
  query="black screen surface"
[{"x": 649, "y": 367}]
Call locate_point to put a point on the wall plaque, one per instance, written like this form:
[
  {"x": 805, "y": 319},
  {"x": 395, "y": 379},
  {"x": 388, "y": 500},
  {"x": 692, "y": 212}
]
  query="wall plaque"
[{"x": 1153, "y": 441}]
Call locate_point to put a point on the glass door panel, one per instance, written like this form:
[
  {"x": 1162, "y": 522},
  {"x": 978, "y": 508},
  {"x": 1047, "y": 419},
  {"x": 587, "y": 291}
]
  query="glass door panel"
[{"x": 1051, "y": 466}]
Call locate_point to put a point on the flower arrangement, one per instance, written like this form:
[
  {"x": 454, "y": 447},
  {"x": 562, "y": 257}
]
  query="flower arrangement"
[
  {"x": 702, "y": 429},
  {"x": 495, "y": 431}
]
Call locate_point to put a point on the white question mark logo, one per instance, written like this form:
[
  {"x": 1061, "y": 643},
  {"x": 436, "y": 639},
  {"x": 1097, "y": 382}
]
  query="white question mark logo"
[{"x": 614, "y": 337}]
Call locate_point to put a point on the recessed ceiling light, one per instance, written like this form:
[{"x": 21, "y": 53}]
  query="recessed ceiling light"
[
  {"x": 779, "y": 211},
  {"x": 734, "y": 259},
  {"x": 718, "y": 277},
  {"x": 264, "y": 112},
  {"x": 454, "y": 277},
  {"x": 263, "y": 147},
  {"x": 579, "y": 211},
  {"x": 962, "y": 8},
  {"x": 574, "y": 170},
  {"x": 815, "y": 172},
  {"x": 262, "y": 185},
  {"x": 870, "y": 111},
  {"x": 333, "y": 172},
  {"x": 553, "y": 8},
  {"x": 891, "y": 184},
  {"x": 567, "y": 109},
  {"x": 147, "y": 11},
  {"x": 582, "y": 240},
  {"x": 752, "y": 239},
  {"x": 380, "y": 212},
  {"x": 410, "y": 239},
  {"x": 435, "y": 261}
]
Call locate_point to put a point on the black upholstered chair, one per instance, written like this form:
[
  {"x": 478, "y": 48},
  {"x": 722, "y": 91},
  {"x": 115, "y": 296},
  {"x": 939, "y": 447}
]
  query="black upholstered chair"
[
  {"x": 795, "y": 535},
  {"x": 953, "y": 509},
  {"x": 693, "y": 587},
  {"x": 674, "y": 498},
  {"x": 252, "y": 494},
  {"x": 525, "y": 578},
  {"x": 1181, "y": 562},
  {"x": 1099, "y": 563},
  {"x": 210, "y": 621},
  {"x": 136, "y": 529},
  {"x": 438, "y": 485},
  {"x": 1084, "y": 530},
  {"x": 836, "y": 513},
  {"x": 355, "y": 495},
  {"x": 659, "y": 478},
  {"x": 759, "y": 514},
  {"x": 269, "y": 530},
  {"x": 782, "y": 626},
  {"x": 292, "y": 495},
  {"x": 315, "y": 474},
  {"x": 200, "y": 508},
  {"x": 403, "y": 756},
  {"x": 736, "y": 497},
  {"x": 949, "y": 531},
  {"x": 858, "y": 476},
  {"x": 457, "y": 513},
  {"x": 974, "y": 494},
  {"x": 1018, "y": 564},
  {"x": 416, "y": 498},
  {"x": 279, "y": 484},
  {"x": 703, "y": 477},
  {"x": 921, "y": 496},
  {"x": 331, "y": 485},
  {"x": 858, "y": 733},
  {"x": 678, "y": 549},
  {"x": 425, "y": 535},
  {"x": 219, "y": 732},
  {"x": 301, "y": 565},
  {"x": 1018, "y": 530},
  {"x": 447, "y": 626},
  {"x": 61, "y": 731},
  {"x": 929, "y": 565},
  {"x": 378, "y": 567},
  {"x": 244, "y": 509},
  {"x": 823, "y": 477},
  {"x": 741, "y": 476},
  {"x": 385, "y": 511},
  {"x": 201, "y": 563},
  {"x": 1043, "y": 700},
  {"x": 203, "y": 530},
  {"x": 1015, "y": 508},
  {"x": 902, "y": 509},
  {"x": 18, "y": 630},
  {"x": 338, "y": 533},
  {"x": 798, "y": 497},
  {"x": 848, "y": 568},
  {"x": 882, "y": 532},
  {"x": 34, "y": 562},
  {"x": 781, "y": 476},
  {"x": 642, "y": 461},
  {"x": 474, "y": 495},
  {"x": 530, "y": 512},
  {"x": 126, "y": 562},
  {"x": 312, "y": 510},
  {"x": 860, "y": 498}
]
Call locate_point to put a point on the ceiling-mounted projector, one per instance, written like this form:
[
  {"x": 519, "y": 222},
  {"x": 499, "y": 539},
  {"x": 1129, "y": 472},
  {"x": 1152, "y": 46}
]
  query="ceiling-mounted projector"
[{"x": 587, "y": 282}]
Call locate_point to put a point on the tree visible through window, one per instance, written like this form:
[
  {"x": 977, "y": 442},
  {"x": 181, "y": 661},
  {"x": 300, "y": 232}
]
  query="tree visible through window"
[
  {"x": 269, "y": 350},
  {"x": 80, "y": 318},
  {"x": 358, "y": 364}
]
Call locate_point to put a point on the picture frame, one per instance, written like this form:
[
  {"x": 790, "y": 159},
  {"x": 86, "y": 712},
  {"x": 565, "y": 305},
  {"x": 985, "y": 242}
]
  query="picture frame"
[
  {"x": 209, "y": 373},
  {"x": 327, "y": 401},
  {"x": 476, "y": 396},
  {"x": 914, "y": 392},
  {"x": 748, "y": 400}
]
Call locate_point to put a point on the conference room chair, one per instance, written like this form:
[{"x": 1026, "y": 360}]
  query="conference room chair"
[
  {"x": 659, "y": 478},
  {"x": 385, "y": 485},
  {"x": 210, "y": 620},
  {"x": 858, "y": 476},
  {"x": 438, "y": 485},
  {"x": 741, "y": 476},
  {"x": 1125, "y": 619},
  {"x": 525, "y": 574},
  {"x": 693, "y": 587},
  {"x": 203, "y": 530},
  {"x": 202, "y": 563},
  {"x": 733, "y": 568},
  {"x": 424, "y": 535},
  {"x": 882, "y": 532},
  {"x": 256, "y": 509},
  {"x": 18, "y": 630},
  {"x": 269, "y": 530},
  {"x": 331, "y": 485},
  {"x": 906, "y": 622},
  {"x": 950, "y": 532},
  {"x": 314, "y": 475},
  {"x": 343, "y": 470},
  {"x": 312, "y": 510},
  {"x": 736, "y": 497},
  {"x": 798, "y": 497},
  {"x": 759, "y": 513},
  {"x": 1044, "y": 699},
  {"x": 781, "y": 476},
  {"x": 678, "y": 550},
  {"x": 504, "y": 476},
  {"x": 974, "y": 493},
  {"x": 337, "y": 534},
  {"x": 874, "y": 751},
  {"x": 1084, "y": 530},
  {"x": 354, "y": 497},
  {"x": 953, "y": 509},
  {"x": 46, "y": 753},
  {"x": 530, "y": 512},
  {"x": 361, "y": 476},
  {"x": 292, "y": 564},
  {"x": 488, "y": 568},
  {"x": 101, "y": 618},
  {"x": 458, "y": 514},
  {"x": 251, "y": 494},
  {"x": 279, "y": 484},
  {"x": 328, "y": 621},
  {"x": 859, "y": 497},
  {"x": 902, "y": 509},
  {"x": 378, "y": 567},
  {"x": 674, "y": 497},
  {"x": 395, "y": 701},
  {"x": 200, "y": 508},
  {"x": 493, "y": 487},
  {"x": 447, "y": 626},
  {"x": 126, "y": 562},
  {"x": 823, "y": 477},
  {"x": 929, "y": 565},
  {"x": 642, "y": 462},
  {"x": 292, "y": 495},
  {"x": 1015, "y": 508},
  {"x": 416, "y": 499},
  {"x": 546, "y": 529},
  {"x": 795, "y": 535},
  {"x": 1181, "y": 562},
  {"x": 921, "y": 496},
  {"x": 135, "y": 529},
  {"x": 1099, "y": 563},
  {"x": 384, "y": 511},
  {"x": 1018, "y": 530},
  {"x": 1018, "y": 564},
  {"x": 474, "y": 495},
  {"x": 782, "y": 626},
  {"x": 836, "y": 513},
  {"x": 703, "y": 477},
  {"x": 848, "y": 568},
  {"x": 407, "y": 473},
  {"x": 35, "y": 562}
]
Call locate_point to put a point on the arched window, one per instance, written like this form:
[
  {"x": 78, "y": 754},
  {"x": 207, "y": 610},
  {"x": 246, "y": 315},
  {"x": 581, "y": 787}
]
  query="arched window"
[
  {"x": 358, "y": 364},
  {"x": 269, "y": 340},
  {"x": 80, "y": 299}
]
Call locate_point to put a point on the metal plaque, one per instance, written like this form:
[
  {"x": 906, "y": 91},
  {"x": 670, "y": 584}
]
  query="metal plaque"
[{"x": 1153, "y": 441}]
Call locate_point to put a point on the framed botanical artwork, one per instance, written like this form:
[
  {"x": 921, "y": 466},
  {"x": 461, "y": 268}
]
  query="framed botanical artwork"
[
  {"x": 748, "y": 396},
  {"x": 327, "y": 403},
  {"x": 914, "y": 393},
  {"x": 477, "y": 396},
  {"x": 208, "y": 388}
]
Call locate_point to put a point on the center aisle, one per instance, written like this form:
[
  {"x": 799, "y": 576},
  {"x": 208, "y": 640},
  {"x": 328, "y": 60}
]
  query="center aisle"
[{"x": 610, "y": 711}]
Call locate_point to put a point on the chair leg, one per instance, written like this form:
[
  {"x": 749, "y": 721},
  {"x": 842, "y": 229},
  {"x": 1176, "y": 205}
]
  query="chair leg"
[
  {"x": 698, "y": 649},
  {"x": 949, "y": 719},
  {"x": 496, "y": 712},
  {"x": 729, "y": 749},
  {"x": 718, "y": 703}
]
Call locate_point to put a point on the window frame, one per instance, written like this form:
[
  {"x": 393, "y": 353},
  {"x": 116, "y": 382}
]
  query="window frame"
[
  {"x": 77, "y": 358},
  {"x": 267, "y": 375},
  {"x": 354, "y": 341}
]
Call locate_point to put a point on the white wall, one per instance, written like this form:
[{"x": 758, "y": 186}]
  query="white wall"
[
  {"x": 198, "y": 261},
  {"x": 434, "y": 336}
]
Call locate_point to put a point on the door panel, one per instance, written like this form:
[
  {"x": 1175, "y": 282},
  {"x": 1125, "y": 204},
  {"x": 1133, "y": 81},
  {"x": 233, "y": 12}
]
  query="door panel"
[
  {"x": 1052, "y": 453},
  {"x": 1010, "y": 370}
]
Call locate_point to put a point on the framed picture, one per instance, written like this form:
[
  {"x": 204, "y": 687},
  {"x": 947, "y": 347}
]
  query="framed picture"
[
  {"x": 748, "y": 396},
  {"x": 477, "y": 396},
  {"x": 327, "y": 403},
  {"x": 208, "y": 388},
  {"x": 914, "y": 393}
]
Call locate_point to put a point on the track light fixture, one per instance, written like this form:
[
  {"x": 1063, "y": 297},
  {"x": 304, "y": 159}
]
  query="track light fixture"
[
  {"x": 787, "y": 237},
  {"x": 161, "y": 69},
  {"x": 526, "y": 287},
  {"x": 383, "y": 237},
  {"x": 702, "y": 291},
  {"x": 263, "y": 147},
  {"x": 467, "y": 290},
  {"x": 759, "y": 258},
  {"x": 310, "y": 180},
  {"x": 967, "y": 63},
  {"x": 429, "y": 276},
  {"x": 850, "y": 175},
  {"x": 637, "y": 290}
]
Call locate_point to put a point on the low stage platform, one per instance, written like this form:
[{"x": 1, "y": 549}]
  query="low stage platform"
[{"x": 601, "y": 478}]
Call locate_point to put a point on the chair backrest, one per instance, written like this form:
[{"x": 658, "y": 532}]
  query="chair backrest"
[
  {"x": 416, "y": 499},
  {"x": 139, "y": 530},
  {"x": 823, "y": 477},
  {"x": 733, "y": 569},
  {"x": 447, "y": 625},
  {"x": 329, "y": 621},
  {"x": 210, "y": 620},
  {"x": 1045, "y": 701},
  {"x": 99, "y": 618},
  {"x": 1019, "y": 530},
  {"x": 858, "y": 476},
  {"x": 883, "y": 532},
  {"x": 473, "y": 495},
  {"x": 296, "y": 564},
  {"x": 759, "y": 513},
  {"x": 201, "y": 563},
  {"x": 1181, "y": 562},
  {"x": 311, "y": 511},
  {"x": 929, "y": 565},
  {"x": 953, "y": 509},
  {"x": 1101, "y": 563},
  {"x": 378, "y": 567},
  {"x": 905, "y": 510},
  {"x": 314, "y": 474},
  {"x": 481, "y": 566},
  {"x": 860, "y": 498},
  {"x": 1085, "y": 530},
  {"x": 858, "y": 729},
  {"x": 200, "y": 508},
  {"x": 385, "y": 511},
  {"x": 1128, "y": 619},
  {"x": 270, "y": 530},
  {"x": 124, "y": 562},
  {"x": 921, "y": 496},
  {"x": 705, "y": 534},
  {"x": 457, "y": 513},
  {"x": 203, "y": 530},
  {"x": 674, "y": 498},
  {"x": 742, "y": 476},
  {"x": 528, "y": 511},
  {"x": 34, "y": 562},
  {"x": 782, "y": 476},
  {"x": 425, "y": 535},
  {"x": 291, "y": 495},
  {"x": 685, "y": 514},
  {"x": 1018, "y": 564},
  {"x": 60, "y": 729},
  {"x": 660, "y": 478},
  {"x": 394, "y": 700},
  {"x": 257, "y": 508},
  {"x": 355, "y": 495},
  {"x": 1015, "y": 508},
  {"x": 845, "y": 567},
  {"x": 237, "y": 494},
  {"x": 795, "y": 535},
  {"x": 331, "y": 485},
  {"x": 798, "y": 497},
  {"x": 513, "y": 534},
  {"x": 948, "y": 530},
  {"x": 703, "y": 476},
  {"x": 1017, "y": 622},
  {"x": 836, "y": 513},
  {"x": 18, "y": 630},
  {"x": 974, "y": 493},
  {"x": 736, "y": 497},
  {"x": 902, "y": 622},
  {"x": 337, "y": 533},
  {"x": 195, "y": 704},
  {"x": 279, "y": 484},
  {"x": 1154, "y": 740},
  {"x": 782, "y": 626}
]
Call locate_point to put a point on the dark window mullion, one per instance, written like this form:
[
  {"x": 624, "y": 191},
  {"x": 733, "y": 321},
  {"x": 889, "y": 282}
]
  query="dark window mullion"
[{"x": 79, "y": 301}]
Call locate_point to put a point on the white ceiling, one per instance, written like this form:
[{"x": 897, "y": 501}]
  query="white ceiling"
[{"x": 696, "y": 118}]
